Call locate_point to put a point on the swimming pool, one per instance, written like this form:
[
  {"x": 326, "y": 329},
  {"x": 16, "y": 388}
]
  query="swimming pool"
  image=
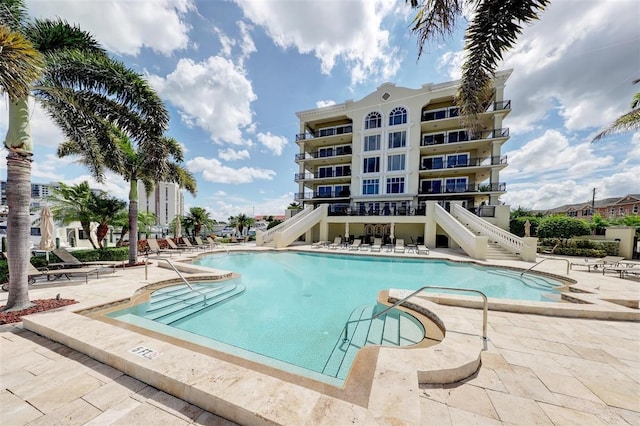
[{"x": 295, "y": 305}]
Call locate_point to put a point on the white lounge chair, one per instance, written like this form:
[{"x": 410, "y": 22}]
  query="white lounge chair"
[
  {"x": 422, "y": 249},
  {"x": 399, "y": 247},
  {"x": 597, "y": 263},
  {"x": 355, "y": 245},
  {"x": 377, "y": 244},
  {"x": 336, "y": 243}
]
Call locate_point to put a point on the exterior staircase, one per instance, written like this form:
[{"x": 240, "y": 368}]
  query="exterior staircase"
[{"x": 497, "y": 252}]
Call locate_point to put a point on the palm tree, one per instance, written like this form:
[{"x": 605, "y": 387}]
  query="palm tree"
[
  {"x": 629, "y": 122},
  {"x": 198, "y": 218},
  {"x": 72, "y": 203},
  {"x": 104, "y": 209},
  {"x": 77, "y": 75},
  {"x": 145, "y": 221},
  {"x": 493, "y": 29},
  {"x": 242, "y": 220},
  {"x": 153, "y": 160}
]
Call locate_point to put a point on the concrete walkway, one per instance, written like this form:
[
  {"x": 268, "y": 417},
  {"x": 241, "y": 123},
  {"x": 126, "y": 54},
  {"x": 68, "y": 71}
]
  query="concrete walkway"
[{"x": 536, "y": 369}]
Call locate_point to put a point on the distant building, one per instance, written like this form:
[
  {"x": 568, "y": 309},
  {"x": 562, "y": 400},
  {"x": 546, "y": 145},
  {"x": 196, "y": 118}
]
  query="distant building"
[
  {"x": 166, "y": 201},
  {"x": 608, "y": 208}
]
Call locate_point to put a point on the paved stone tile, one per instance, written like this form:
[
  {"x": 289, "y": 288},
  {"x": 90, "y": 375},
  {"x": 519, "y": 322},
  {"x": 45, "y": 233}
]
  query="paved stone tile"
[
  {"x": 147, "y": 414},
  {"x": 632, "y": 417},
  {"x": 208, "y": 419},
  {"x": 74, "y": 388},
  {"x": 114, "y": 413},
  {"x": 113, "y": 392},
  {"x": 435, "y": 413},
  {"x": 594, "y": 354},
  {"x": 518, "y": 410},
  {"x": 12, "y": 378},
  {"x": 566, "y": 385},
  {"x": 535, "y": 363},
  {"x": 471, "y": 398},
  {"x": 78, "y": 412},
  {"x": 467, "y": 418},
  {"x": 175, "y": 406},
  {"x": 16, "y": 411},
  {"x": 606, "y": 414},
  {"x": 522, "y": 382},
  {"x": 567, "y": 416},
  {"x": 103, "y": 372},
  {"x": 486, "y": 378}
]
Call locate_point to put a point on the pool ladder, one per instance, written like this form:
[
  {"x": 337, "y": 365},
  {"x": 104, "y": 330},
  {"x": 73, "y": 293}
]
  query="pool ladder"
[
  {"x": 184, "y": 280},
  {"x": 485, "y": 308},
  {"x": 548, "y": 258}
]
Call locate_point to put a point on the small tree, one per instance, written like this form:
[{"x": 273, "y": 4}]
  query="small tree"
[
  {"x": 105, "y": 209},
  {"x": 562, "y": 227},
  {"x": 516, "y": 225}
]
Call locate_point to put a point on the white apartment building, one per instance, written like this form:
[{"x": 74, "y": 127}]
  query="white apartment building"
[{"x": 166, "y": 201}]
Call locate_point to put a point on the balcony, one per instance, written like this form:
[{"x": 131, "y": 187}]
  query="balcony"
[
  {"x": 322, "y": 195},
  {"x": 327, "y": 131},
  {"x": 362, "y": 210},
  {"x": 460, "y": 189},
  {"x": 463, "y": 136},
  {"x": 322, "y": 175},
  {"x": 471, "y": 162},
  {"x": 454, "y": 111},
  {"x": 324, "y": 153}
]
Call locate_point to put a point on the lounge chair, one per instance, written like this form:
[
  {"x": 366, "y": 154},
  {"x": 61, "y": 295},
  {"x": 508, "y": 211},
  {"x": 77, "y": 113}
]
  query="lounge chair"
[
  {"x": 186, "y": 243},
  {"x": 598, "y": 263},
  {"x": 355, "y": 245},
  {"x": 625, "y": 269},
  {"x": 399, "y": 247},
  {"x": 337, "y": 241},
  {"x": 377, "y": 244},
  {"x": 213, "y": 242},
  {"x": 422, "y": 249},
  {"x": 70, "y": 261},
  {"x": 174, "y": 246},
  {"x": 234, "y": 240},
  {"x": 34, "y": 273},
  {"x": 154, "y": 247},
  {"x": 200, "y": 243}
]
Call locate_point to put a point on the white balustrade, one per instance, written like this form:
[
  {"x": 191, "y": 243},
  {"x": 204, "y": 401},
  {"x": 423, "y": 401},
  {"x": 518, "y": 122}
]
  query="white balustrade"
[{"x": 503, "y": 238}]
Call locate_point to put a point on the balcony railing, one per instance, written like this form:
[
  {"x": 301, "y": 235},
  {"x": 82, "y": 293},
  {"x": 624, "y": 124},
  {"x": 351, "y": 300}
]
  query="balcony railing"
[
  {"x": 471, "y": 162},
  {"x": 315, "y": 195},
  {"x": 462, "y": 136},
  {"x": 346, "y": 150},
  {"x": 457, "y": 189},
  {"x": 454, "y": 111},
  {"x": 362, "y": 210},
  {"x": 321, "y": 175},
  {"x": 327, "y": 131}
]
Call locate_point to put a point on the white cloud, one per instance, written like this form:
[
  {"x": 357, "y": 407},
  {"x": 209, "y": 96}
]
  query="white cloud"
[
  {"x": 551, "y": 156},
  {"x": 326, "y": 103},
  {"x": 214, "y": 95},
  {"x": 124, "y": 26},
  {"x": 351, "y": 31},
  {"x": 231, "y": 154},
  {"x": 214, "y": 171},
  {"x": 222, "y": 208},
  {"x": 226, "y": 42},
  {"x": 452, "y": 62},
  {"x": 560, "y": 61},
  {"x": 274, "y": 143}
]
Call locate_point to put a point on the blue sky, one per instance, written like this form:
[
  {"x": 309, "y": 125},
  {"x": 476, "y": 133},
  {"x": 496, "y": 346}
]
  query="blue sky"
[{"x": 234, "y": 73}]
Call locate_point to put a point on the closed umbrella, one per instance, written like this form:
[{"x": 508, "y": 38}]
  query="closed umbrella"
[
  {"x": 346, "y": 231},
  {"x": 47, "y": 242},
  {"x": 178, "y": 232},
  {"x": 392, "y": 232}
]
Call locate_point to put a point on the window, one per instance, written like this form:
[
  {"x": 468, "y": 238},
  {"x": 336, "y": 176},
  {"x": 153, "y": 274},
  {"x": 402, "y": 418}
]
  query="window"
[
  {"x": 621, "y": 211},
  {"x": 398, "y": 139},
  {"x": 324, "y": 172},
  {"x": 436, "y": 139},
  {"x": 371, "y": 165},
  {"x": 324, "y": 191},
  {"x": 395, "y": 162},
  {"x": 456, "y": 185},
  {"x": 458, "y": 160},
  {"x": 431, "y": 163},
  {"x": 373, "y": 120},
  {"x": 370, "y": 186},
  {"x": 342, "y": 191},
  {"x": 397, "y": 116},
  {"x": 395, "y": 185},
  {"x": 343, "y": 171},
  {"x": 343, "y": 150},
  {"x": 458, "y": 136},
  {"x": 431, "y": 186},
  {"x": 372, "y": 143},
  {"x": 325, "y": 152},
  {"x": 635, "y": 209}
]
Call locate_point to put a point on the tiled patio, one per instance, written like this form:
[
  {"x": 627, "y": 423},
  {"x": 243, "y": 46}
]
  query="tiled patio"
[{"x": 535, "y": 370}]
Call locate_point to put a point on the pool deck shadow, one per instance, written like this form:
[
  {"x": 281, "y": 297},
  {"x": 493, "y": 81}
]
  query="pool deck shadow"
[{"x": 534, "y": 366}]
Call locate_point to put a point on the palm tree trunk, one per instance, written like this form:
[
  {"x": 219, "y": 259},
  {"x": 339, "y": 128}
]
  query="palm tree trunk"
[
  {"x": 18, "y": 230},
  {"x": 133, "y": 221}
]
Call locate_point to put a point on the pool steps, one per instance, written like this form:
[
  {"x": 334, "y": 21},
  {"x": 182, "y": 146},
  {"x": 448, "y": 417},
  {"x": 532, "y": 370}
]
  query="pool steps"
[
  {"x": 395, "y": 328},
  {"x": 181, "y": 302}
]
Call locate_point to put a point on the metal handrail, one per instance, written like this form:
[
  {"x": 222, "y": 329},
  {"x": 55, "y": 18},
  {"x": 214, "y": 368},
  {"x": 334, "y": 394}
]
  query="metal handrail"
[
  {"x": 204, "y": 296},
  {"x": 485, "y": 308},
  {"x": 548, "y": 258}
]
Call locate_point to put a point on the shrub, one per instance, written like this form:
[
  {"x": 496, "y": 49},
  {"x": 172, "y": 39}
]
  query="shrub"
[
  {"x": 562, "y": 227},
  {"x": 516, "y": 225}
]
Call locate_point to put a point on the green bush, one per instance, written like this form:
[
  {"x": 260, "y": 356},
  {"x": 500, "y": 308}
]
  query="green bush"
[
  {"x": 582, "y": 252},
  {"x": 573, "y": 247},
  {"x": 516, "y": 225},
  {"x": 562, "y": 227}
]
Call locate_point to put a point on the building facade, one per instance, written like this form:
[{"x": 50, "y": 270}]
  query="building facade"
[
  {"x": 397, "y": 148},
  {"x": 166, "y": 201},
  {"x": 608, "y": 208}
]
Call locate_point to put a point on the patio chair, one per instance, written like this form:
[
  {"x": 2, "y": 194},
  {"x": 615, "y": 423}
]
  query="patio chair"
[
  {"x": 201, "y": 244},
  {"x": 422, "y": 249},
  {"x": 213, "y": 242},
  {"x": 597, "y": 263},
  {"x": 337, "y": 241},
  {"x": 174, "y": 246},
  {"x": 399, "y": 247},
  {"x": 377, "y": 244},
  {"x": 234, "y": 240},
  {"x": 355, "y": 245},
  {"x": 70, "y": 261},
  {"x": 154, "y": 247}
]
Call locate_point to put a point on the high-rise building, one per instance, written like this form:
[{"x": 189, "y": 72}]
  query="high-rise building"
[{"x": 166, "y": 201}]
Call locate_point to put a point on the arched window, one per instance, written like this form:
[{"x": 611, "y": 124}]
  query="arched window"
[
  {"x": 373, "y": 120},
  {"x": 398, "y": 116}
]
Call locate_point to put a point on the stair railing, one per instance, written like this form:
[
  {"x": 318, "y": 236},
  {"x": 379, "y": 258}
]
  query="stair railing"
[
  {"x": 184, "y": 280},
  {"x": 505, "y": 239},
  {"x": 548, "y": 258},
  {"x": 485, "y": 308},
  {"x": 269, "y": 235}
]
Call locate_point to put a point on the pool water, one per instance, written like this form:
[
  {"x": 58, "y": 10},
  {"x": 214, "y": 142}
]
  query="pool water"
[{"x": 296, "y": 304}]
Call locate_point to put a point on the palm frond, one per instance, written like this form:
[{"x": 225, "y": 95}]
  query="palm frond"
[
  {"x": 49, "y": 36},
  {"x": 629, "y": 122},
  {"x": 13, "y": 14},
  {"x": 434, "y": 19},
  {"x": 20, "y": 64}
]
